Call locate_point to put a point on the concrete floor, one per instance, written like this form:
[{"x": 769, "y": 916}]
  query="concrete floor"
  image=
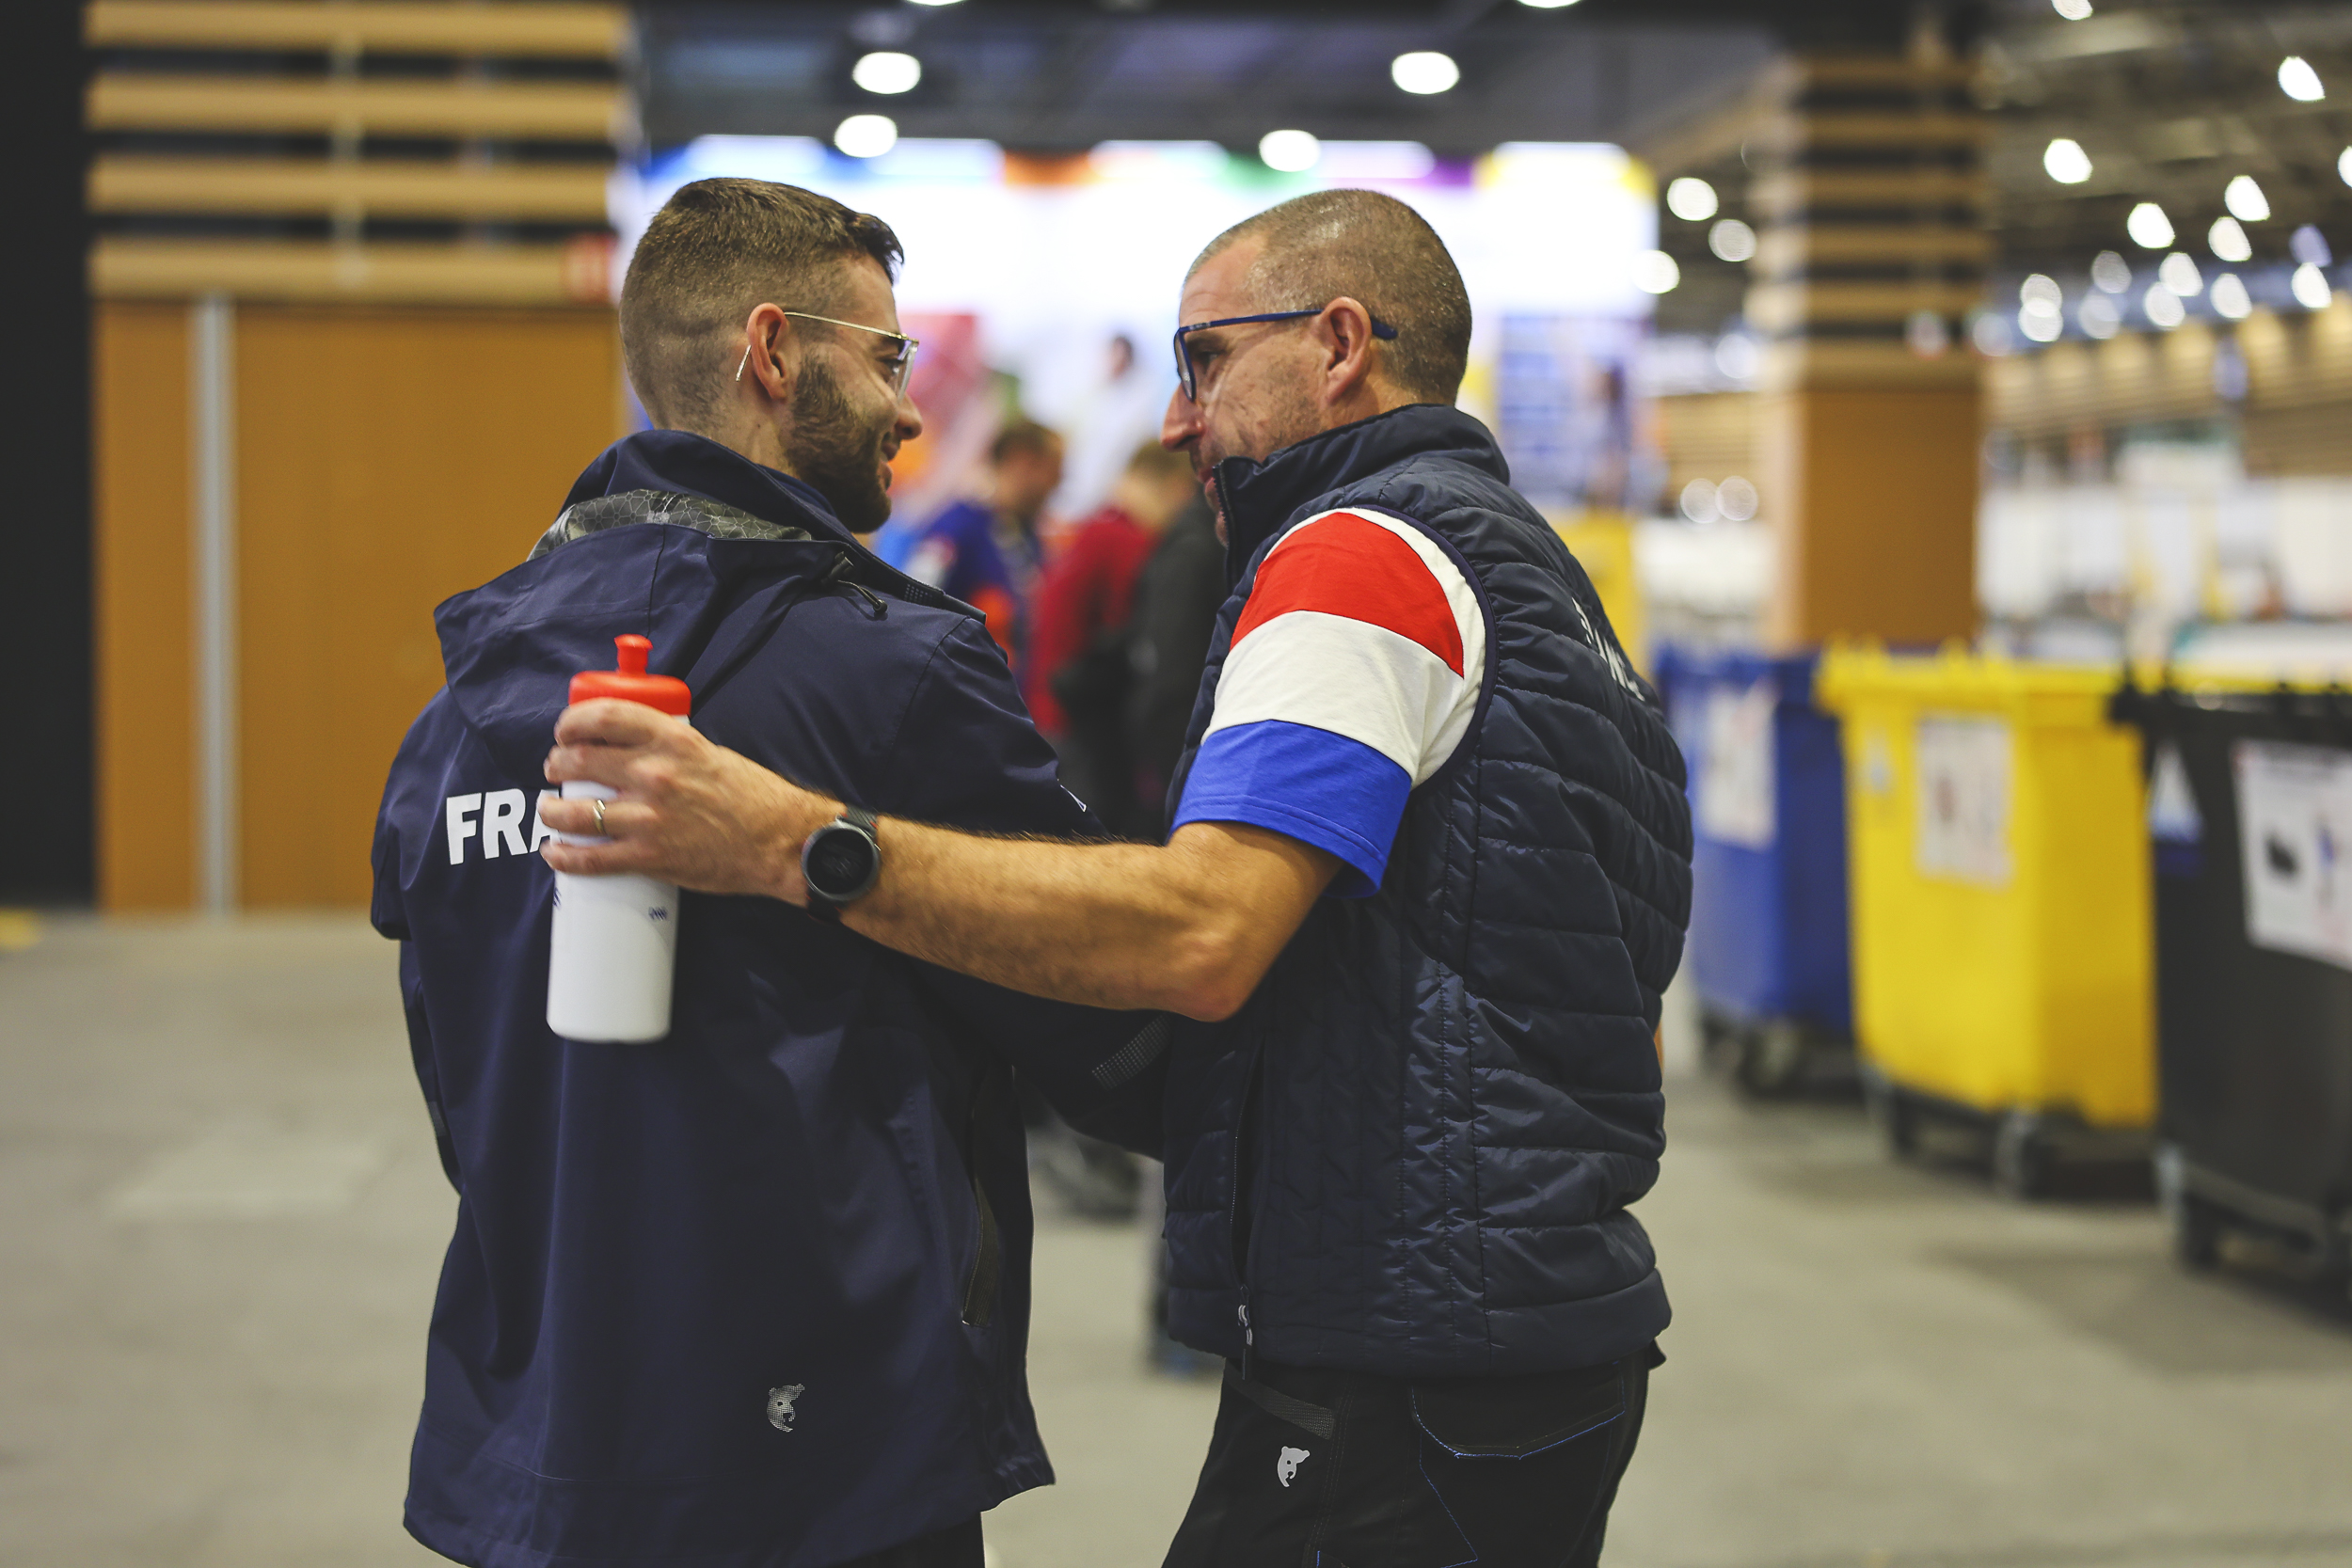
[{"x": 220, "y": 1219}]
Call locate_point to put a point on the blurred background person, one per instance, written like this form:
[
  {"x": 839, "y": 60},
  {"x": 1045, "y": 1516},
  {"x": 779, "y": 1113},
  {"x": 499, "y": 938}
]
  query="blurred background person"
[
  {"x": 987, "y": 551},
  {"x": 1121, "y": 410},
  {"x": 1080, "y": 670},
  {"x": 1176, "y": 599}
]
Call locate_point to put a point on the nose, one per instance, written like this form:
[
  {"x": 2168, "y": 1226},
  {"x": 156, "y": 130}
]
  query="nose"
[
  {"x": 1180, "y": 425},
  {"x": 910, "y": 418}
]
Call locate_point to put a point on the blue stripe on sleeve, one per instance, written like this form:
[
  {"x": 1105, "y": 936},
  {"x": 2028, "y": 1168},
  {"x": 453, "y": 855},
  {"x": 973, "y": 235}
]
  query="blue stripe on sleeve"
[{"x": 1319, "y": 789}]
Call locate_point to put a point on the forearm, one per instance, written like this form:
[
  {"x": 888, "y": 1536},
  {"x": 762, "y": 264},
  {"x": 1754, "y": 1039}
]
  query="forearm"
[{"x": 1122, "y": 925}]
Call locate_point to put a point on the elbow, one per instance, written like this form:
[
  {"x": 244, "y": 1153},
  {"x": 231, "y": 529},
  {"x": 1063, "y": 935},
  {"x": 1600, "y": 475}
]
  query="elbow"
[{"x": 1215, "y": 976}]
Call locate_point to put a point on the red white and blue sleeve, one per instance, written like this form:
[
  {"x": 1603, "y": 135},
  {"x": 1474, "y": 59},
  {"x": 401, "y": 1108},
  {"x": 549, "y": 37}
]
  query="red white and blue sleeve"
[{"x": 1353, "y": 676}]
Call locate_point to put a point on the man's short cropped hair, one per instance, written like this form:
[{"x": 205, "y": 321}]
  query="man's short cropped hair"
[
  {"x": 1025, "y": 437},
  {"x": 717, "y": 251},
  {"x": 1377, "y": 251}
]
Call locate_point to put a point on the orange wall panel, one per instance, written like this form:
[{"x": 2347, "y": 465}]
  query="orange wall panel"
[
  {"x": 146, "y": 806},
  {"x": 1874, "y": 506},
  {"x": 386, "y": 459}
]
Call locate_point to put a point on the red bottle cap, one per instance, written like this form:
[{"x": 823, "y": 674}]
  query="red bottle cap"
[{"x": 630, "y": 684}]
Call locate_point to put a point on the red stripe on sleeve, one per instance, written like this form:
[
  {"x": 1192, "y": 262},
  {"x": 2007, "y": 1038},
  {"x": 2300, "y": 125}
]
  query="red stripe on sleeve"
[{"x": 1347, "y": 565}]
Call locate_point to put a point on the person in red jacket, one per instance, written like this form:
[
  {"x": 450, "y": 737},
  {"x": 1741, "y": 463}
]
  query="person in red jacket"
[{"x": 1077, "y": 674}]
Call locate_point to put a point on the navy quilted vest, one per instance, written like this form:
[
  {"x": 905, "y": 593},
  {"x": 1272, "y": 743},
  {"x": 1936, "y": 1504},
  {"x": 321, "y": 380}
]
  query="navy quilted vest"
[{"x": 1411, "y": 1152}]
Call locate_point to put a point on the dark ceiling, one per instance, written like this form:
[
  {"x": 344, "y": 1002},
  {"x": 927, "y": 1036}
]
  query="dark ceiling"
[{"x": 1065, "y": 74}]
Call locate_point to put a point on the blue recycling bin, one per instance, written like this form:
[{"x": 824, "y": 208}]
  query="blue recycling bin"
[{"x": 1768, "y": 948}]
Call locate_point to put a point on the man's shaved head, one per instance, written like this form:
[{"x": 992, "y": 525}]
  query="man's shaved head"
[
  {"x": 717, "y": 249},
  {"x": 1376, "y": 251}
]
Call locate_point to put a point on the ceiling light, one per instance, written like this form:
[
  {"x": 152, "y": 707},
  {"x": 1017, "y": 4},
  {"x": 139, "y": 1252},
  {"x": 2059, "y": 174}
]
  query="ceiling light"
[
  {"x": 2111, "y": 272},
  {"x": 1691, "y": 198},
  {"x": 2162, "y": 306},
  {"x": 2041, "y": 323},
  {"x": 935, "y": 2},
  {"x": 2309, "y": 247},
  {"x": 867, "y": 136},
  {"x": 1547, "y": 4},
  {"x": 2099, "y": 317},
  {"x": 1291, "y": 151},
  {"x": 2074, "y": 10},
  {"x": 2343, "y": 166},
  {"x": 2039, "y": 290},
  {"x": 1731, "y": 239},
  {"x": 1990, "y": 333},
  {"x": 2230, "y": 298},
  {"x": 2179, "y": 274},
  {"x": 1425, "y": 71},
  {"x": 2066, "y": 161},
  {"x": 2148, "y": 228},
  {"x": 2246, "y": 200},
  {"x": 2299, "y": 81},
  {"x": 1655, "y": 273},
  {"x": 2228, "y": 240},
  {"x": 886, "y": 71},
  {"x": 1699, "y": 502},
  {"x": 2311, "y": 287}
]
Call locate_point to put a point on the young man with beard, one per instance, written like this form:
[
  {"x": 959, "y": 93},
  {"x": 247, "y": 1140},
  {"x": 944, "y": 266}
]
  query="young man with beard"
[
  {"x": 755, "y": 1295},
  {"x": 1428, "y": 879}
]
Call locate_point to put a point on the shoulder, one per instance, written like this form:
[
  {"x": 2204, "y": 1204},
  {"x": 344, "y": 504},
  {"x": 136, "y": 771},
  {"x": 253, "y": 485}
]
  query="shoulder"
[{"x": 1363, "y": 565}]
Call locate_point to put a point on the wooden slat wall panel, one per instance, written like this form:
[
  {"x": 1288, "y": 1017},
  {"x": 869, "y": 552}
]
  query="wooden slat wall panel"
[
  {"x": 365, "y": 499},
  {"x": 134, "y": 268},
  {"x": 559, "y": 111},
  {"x": 2293, "y": 421},
  {"x": 541, "y": 30},
  {"x": 276, "y": 187},
  {"x": 146, "y": 711},
  {"x": 1709, "y": 436}
]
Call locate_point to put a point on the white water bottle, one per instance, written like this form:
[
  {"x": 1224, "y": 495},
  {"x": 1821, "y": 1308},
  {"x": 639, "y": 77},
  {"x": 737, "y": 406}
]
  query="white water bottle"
[{"x": 615, "y": 944}]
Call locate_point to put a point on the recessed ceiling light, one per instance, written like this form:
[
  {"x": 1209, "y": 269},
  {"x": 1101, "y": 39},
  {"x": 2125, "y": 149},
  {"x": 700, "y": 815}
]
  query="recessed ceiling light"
[
  {"x": 886, "y": 71},
  {"x": 2299, "y": 81},
  {"x": 1424, "y": 71},
  {"x": 867, "y": 136},
  {"x": 1291, "y": 151}
]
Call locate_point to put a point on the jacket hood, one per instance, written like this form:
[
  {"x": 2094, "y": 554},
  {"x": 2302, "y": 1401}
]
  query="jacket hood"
[
  {"x": 510, "y": 648},
  {"x": 1261, "y": 496}
]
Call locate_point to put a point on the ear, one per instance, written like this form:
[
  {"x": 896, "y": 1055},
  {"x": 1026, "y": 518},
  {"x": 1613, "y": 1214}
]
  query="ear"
[
  {"x": 1343, "y": 331},
  {"x": 771, "y": 362}
]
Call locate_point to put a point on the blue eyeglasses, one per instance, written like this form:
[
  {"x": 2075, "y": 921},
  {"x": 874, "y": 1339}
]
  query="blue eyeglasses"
[{"x": 1189, "y": 381}]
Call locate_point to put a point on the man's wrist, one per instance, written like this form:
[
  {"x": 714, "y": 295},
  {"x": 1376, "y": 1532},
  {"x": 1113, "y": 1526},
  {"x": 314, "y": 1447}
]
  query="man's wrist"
[{"x": 803, "y": 814}]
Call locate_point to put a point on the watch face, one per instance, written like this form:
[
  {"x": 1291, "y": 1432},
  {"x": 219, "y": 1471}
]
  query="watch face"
[{"x": 841, "y": 862}]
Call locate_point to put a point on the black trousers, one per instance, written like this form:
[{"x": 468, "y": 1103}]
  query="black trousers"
[
  {"x": 956, "y": 1546},
  {"x": 1315, "y": 1469}
]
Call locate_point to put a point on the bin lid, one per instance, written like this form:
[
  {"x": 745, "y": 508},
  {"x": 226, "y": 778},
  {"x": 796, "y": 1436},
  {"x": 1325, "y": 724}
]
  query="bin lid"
[{"x": 1853, "y": 675}]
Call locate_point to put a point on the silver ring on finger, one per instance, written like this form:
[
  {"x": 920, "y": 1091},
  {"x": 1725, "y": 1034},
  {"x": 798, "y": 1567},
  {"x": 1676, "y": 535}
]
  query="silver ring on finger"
[{"x": 597, "y": 811}]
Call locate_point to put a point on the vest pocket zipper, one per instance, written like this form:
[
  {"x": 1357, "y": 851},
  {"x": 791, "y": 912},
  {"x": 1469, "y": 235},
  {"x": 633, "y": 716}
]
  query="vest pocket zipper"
[{"x": 979, "y": 1286}]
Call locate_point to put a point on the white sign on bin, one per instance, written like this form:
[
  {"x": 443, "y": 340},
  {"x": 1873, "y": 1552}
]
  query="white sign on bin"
[
  {"x": 2295, "y": 833},
  {"x": 1964, "y": 767},
  {"x": 1736, "y": 795}
]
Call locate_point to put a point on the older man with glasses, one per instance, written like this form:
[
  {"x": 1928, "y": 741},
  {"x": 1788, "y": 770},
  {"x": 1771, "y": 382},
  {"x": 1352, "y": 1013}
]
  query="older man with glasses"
[{"x": 1428, "y": 878}]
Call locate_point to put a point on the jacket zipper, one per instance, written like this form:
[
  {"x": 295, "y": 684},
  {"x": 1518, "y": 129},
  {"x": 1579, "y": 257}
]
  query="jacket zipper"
[{"x": 1239, "y": 1240}]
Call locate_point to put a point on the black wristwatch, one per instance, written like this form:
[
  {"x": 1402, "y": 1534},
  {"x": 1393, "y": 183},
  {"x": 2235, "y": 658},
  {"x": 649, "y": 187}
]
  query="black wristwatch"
[{"x": 841, "y": 862}]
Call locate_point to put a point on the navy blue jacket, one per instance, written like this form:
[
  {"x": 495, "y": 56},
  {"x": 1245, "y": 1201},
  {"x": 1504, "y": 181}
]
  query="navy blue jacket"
[
  {"x": 1411, "y": 1152},
  {"x": 755, "y": 1295}
]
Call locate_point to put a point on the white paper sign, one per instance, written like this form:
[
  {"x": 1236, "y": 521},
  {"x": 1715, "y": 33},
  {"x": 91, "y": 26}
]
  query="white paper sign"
[
  {"x": 1737, "y": 801},
  {"x": 2295, "y": 830},
  {"x": 1964, "y": 791}
]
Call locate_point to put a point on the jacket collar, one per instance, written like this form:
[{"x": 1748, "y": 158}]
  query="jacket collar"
[
  {"x": 690, "y": 465},
  {"x": 1261, "y": 496}
]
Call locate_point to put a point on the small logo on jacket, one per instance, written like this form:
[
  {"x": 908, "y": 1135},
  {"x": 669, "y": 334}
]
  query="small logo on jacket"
[
  {"x": 780, "y": 1410},
  {"x": 1286, "y": 1468}
]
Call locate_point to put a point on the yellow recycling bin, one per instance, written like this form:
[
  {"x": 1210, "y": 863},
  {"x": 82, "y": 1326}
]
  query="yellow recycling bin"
[{"x": 2003, "y": 936}]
